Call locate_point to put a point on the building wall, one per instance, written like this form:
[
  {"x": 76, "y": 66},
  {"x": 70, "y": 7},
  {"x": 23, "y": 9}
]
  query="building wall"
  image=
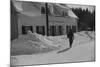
[
  {"x": 41, "y": 21},
  {"x": 14, "y": 27},
  {"x": 14, "y": 23}
]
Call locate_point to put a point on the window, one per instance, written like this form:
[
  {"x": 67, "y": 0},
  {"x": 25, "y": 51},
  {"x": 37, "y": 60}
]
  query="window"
[
  {"x": 43, "y": 11},
  {"x": 53, "y": 30},
  {"x": 40, "y": 30},
  {"x": 70, "y": 27},
  {"x": 26, "y": 28},
  {"x": 64, "y": 13},
  {"x": 60, "y": 28},
  {"x": 67, "y": 29},
  {"x": 74, "y": 28}
]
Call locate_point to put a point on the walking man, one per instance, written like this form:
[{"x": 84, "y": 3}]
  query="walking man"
[{"x": 70, "y": 36}]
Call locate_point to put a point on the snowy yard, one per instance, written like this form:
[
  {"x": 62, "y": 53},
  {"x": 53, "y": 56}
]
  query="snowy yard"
[{"x": 43, "y": 50}]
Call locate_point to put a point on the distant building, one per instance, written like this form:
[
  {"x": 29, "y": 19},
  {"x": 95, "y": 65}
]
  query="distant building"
[{"x": 32, "y": 17}]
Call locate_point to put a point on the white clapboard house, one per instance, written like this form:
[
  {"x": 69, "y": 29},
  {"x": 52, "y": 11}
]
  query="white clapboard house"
[{"x": 32, "y": 16}]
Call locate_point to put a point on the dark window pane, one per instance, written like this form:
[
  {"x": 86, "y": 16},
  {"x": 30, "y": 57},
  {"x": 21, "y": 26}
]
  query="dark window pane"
[
  {"x": 60, "y": 30},
  {"x": 43, "y": 11},
  {"x": 26, "y": 28},
  {"x": 37, "y": 29},
  {"x": 52, "y": 30},
  {"x": 64, "y": 13},
  {"x": 67, "y": 29},
  {"x": 74, "y": 28},
  {"x": 40, "y": 30}
]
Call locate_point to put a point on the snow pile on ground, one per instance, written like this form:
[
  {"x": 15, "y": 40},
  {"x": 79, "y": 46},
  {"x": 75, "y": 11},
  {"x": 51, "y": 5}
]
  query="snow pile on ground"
[
  {"x": 87, "y": 34},
  {"x": 36, "y": 43},
  {"x": 84, "y": 36},
  {"x": 56, "y": 41}
]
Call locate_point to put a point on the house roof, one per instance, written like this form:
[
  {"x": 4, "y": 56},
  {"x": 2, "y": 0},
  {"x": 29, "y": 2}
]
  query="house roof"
[
  {"x": 66, "y": 9},
  {"x": 33, "y": 8}
]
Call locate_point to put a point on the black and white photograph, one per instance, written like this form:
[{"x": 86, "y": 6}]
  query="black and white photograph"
[{"x": 51, "y": 33}]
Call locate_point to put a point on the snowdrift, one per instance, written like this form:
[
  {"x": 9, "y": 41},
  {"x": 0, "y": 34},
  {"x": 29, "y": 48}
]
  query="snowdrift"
[
  {"x": 36, "y": 43},
  {"x": 56, "y": 41}
]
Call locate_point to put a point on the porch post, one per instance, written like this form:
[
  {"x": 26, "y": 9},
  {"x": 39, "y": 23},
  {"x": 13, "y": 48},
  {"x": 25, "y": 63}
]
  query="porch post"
[{"x": 47, "y": 20}]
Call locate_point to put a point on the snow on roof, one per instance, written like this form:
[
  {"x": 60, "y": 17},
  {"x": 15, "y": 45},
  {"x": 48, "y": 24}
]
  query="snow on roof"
[
  {"x": 19, "y": 7},
  {"x": 70, "y": 12},
  {"x": 26, "y": 8}
]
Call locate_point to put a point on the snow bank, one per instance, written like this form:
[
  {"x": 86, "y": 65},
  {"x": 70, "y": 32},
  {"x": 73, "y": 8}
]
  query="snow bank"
[
  {"x": 84, "y": 36},
  {"x": 56, "y": 41},
  {"x": 36, "y": 41},
  {"x": 87, "y": 34},
  {"x": 33, "y": 43}
]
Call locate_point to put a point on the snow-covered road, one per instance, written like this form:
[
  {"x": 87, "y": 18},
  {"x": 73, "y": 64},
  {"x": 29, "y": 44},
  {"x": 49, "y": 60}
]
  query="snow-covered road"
[{"x": 79, "y": 53}]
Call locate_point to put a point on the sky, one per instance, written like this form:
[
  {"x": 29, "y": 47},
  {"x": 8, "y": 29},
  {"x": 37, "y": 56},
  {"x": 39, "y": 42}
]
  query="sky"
[{"x": 89, "y": 7}]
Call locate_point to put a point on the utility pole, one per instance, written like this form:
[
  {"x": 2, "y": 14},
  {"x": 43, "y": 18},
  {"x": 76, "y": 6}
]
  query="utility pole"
[{"x": 47, "y": 20}]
